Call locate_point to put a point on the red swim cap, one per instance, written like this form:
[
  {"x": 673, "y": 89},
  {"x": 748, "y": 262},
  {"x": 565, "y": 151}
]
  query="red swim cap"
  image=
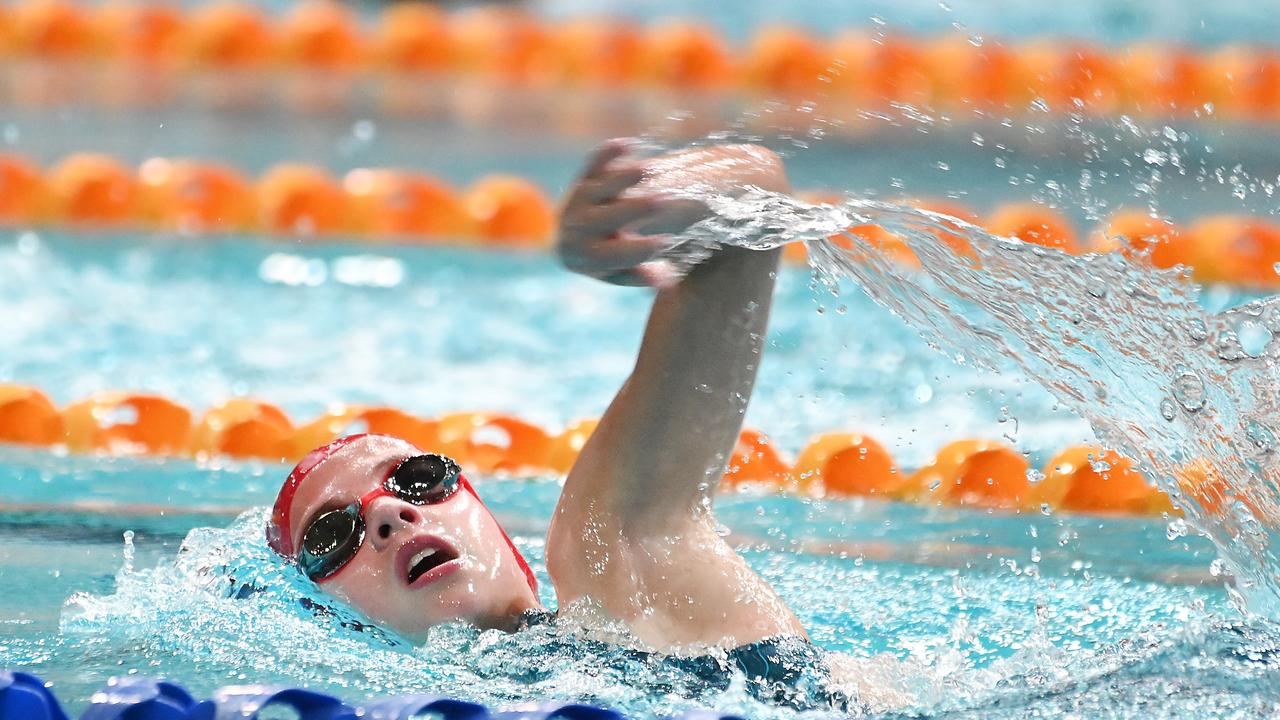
[{"x": 280, "y": 535}]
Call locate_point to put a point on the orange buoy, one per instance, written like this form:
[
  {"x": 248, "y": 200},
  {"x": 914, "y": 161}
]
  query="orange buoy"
[
  {"x": 976, "y": 473},
  {"x": 302, "y": 200},
  {"x": 1205, "y": 485},
  {"x": 1164, "y": 80},
  {"x": 566, "y": 446},
  {"x": 244, "y": 428},
  {"x": 196, "y": 197},
  {"x": 1236, "y": 249},
  {"x": 877, "y": 237},
  {"x": 951, "y": 234},
  {"x": 1092, "y": 480},
  {"x": 91, "y": 189},
  {"x": 413, "y": 38},
  {"x": 489, "y": 442},
  {"x": 685, "y": 56},
  {"x": 124, "y": 423},
  {"x": 1137, "y": 234},
  {"x": 789, "y": 62},
  {"x": 321, "y": 35},
  {"x": 511, "y": 211},
  {"x": 52, "y": 30},
  {"x": 599, "y": 53},
  {"x": 847, "y": 464},
  {"x": 350, "y": 419},
  {"x": 507, "y": 45},
  {"x": 22, "y": 191},
  {"x": 876, "y": 71},
  {"x": 1243, "y": 82},
  {"x": 1034, "y": 224},
  {"x": 754, "y": 460},
  {"x": 229, "y": 35},
  {"x": 1072, "y": 78},
  {"x": 394, "y": 203},
  {"x": 140, "y": 34},
  {"x": 989, "y": 76},
  {"x": 27, "y": 417}
]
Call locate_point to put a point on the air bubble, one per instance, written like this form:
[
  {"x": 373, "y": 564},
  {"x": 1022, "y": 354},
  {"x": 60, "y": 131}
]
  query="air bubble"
[
  {"x": 1167, "y": 410},
  {"x": 1260, "y": 436},
  {"x": 1188, "y": 390}
]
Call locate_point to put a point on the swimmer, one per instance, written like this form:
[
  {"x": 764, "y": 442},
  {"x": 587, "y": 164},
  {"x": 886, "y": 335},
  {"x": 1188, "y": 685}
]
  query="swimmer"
[{"x": 398, "y": 532}]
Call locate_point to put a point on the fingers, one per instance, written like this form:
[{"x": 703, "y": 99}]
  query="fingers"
[
  {"x": 610, "y": 217},
  {"x": 659, "y": 274},
  {"x": 608, "y": 256},
  {"x": 609, "y": 151}
]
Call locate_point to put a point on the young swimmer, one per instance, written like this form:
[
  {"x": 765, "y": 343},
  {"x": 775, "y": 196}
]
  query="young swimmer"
[{"x": 398, "y": 532}]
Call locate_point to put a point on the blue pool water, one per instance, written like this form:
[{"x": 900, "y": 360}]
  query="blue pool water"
[{"x": 992, "y": 614}]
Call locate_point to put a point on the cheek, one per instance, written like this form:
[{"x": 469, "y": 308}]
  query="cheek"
[{"x": 365, "y": 586}]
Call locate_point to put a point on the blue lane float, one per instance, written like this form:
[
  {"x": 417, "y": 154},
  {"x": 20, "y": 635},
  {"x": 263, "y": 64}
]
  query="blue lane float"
[{"x": 26, "y": 697}]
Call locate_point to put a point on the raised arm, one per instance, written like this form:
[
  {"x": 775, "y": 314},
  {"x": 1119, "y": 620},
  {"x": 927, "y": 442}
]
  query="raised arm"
[{"x": 633, "y": 533}]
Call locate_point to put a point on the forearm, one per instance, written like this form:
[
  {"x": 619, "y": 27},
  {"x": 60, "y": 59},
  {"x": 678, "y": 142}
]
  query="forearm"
[{"x": 673, "y": 425}]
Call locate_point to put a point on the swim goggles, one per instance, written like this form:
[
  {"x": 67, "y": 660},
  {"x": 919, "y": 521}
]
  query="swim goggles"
[{"x": 335, "y": 536}]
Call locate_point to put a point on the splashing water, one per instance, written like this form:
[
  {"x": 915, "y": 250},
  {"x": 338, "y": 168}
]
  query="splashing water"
[{"x": 1127, "y": 347}]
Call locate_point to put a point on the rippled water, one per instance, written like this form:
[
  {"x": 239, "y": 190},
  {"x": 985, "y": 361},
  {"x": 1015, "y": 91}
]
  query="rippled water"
[{"x": 1127, "y": 347}]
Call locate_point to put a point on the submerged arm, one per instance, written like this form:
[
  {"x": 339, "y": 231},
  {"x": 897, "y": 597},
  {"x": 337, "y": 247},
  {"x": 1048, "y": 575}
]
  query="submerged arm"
[{"x": 633, "y": 532}]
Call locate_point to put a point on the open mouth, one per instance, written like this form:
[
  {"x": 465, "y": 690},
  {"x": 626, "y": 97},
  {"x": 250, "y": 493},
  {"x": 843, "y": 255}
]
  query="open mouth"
[{"x": 425, "y": 558}]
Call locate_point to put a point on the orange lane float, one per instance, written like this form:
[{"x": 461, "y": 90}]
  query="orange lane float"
[
  {"x": 600, "y": 53},
  {"x": 1034, "y": 224},
  {"x": 872, "y": 70},
  {"x": 495, "y": 442},
  {"x": 22, "y": 191},
  {"x": 398, "y": 204},
  {"x": 322, "y": 35},
  {"x": 412, "y": 38},
  {"x": 126, "y": 424},
  {"x": 1138, "y": 235},
  {"x": 1163, "y": 79},
  {"x": 566, "y": 446},
  {"x": 1244, "y": 82},
  {"x": 789, "y": 62},
  {"x": 92, "y": 190},
  {"x": 974, "y": 473},
  {"x": 140, "y": 34},
  {"x": 511, "y": 211},
  {"x": 244, "y": 428},
  {"x": 229, "y": 36},
  {"x": 1089, "y": 479},
  {"x": 195, "y": 197},
  {"x": 27, "y": 417},
  {"x": 349, "y": 419},
  {"x": 509, "y": 45},
  {"x": 1236, "y": 249},
  {"x": 755, "y": 460},
  {"x": 847, "y": 464},
  {"x": 301, "y": 200},
  {"x": 687, "y": 57},
  {"x": 52, "y": 30}
]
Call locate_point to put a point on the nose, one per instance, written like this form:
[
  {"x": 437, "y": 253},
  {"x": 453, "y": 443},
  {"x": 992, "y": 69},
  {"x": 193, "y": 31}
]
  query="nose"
[{"x": 386, "y": 516}]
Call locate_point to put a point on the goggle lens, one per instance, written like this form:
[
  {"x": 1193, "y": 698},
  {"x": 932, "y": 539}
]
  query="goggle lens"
[
  {"x": 424, "y": 479},
  {"x": 333, "y": 538}
]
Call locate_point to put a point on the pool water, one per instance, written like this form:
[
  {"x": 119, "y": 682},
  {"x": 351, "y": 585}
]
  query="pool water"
[{"x": 992, "y": 614}]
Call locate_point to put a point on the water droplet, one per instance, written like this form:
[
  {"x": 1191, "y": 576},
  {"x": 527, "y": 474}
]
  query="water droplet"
[
  {"x": 1035, "y": 555},
  {"x": 1177, "y": 528},
  {"x": 1167, "y": 411},
  {"x": 1260, "y": 436},
  {"x": 1151, "y": 156},
  {"x": 1188, "y": 390},
  {"x": 1197, "y": 331}
]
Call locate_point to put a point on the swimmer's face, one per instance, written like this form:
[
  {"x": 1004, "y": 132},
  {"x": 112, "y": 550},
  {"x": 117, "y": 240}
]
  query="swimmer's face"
[{"x": 473, "y": 576}]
